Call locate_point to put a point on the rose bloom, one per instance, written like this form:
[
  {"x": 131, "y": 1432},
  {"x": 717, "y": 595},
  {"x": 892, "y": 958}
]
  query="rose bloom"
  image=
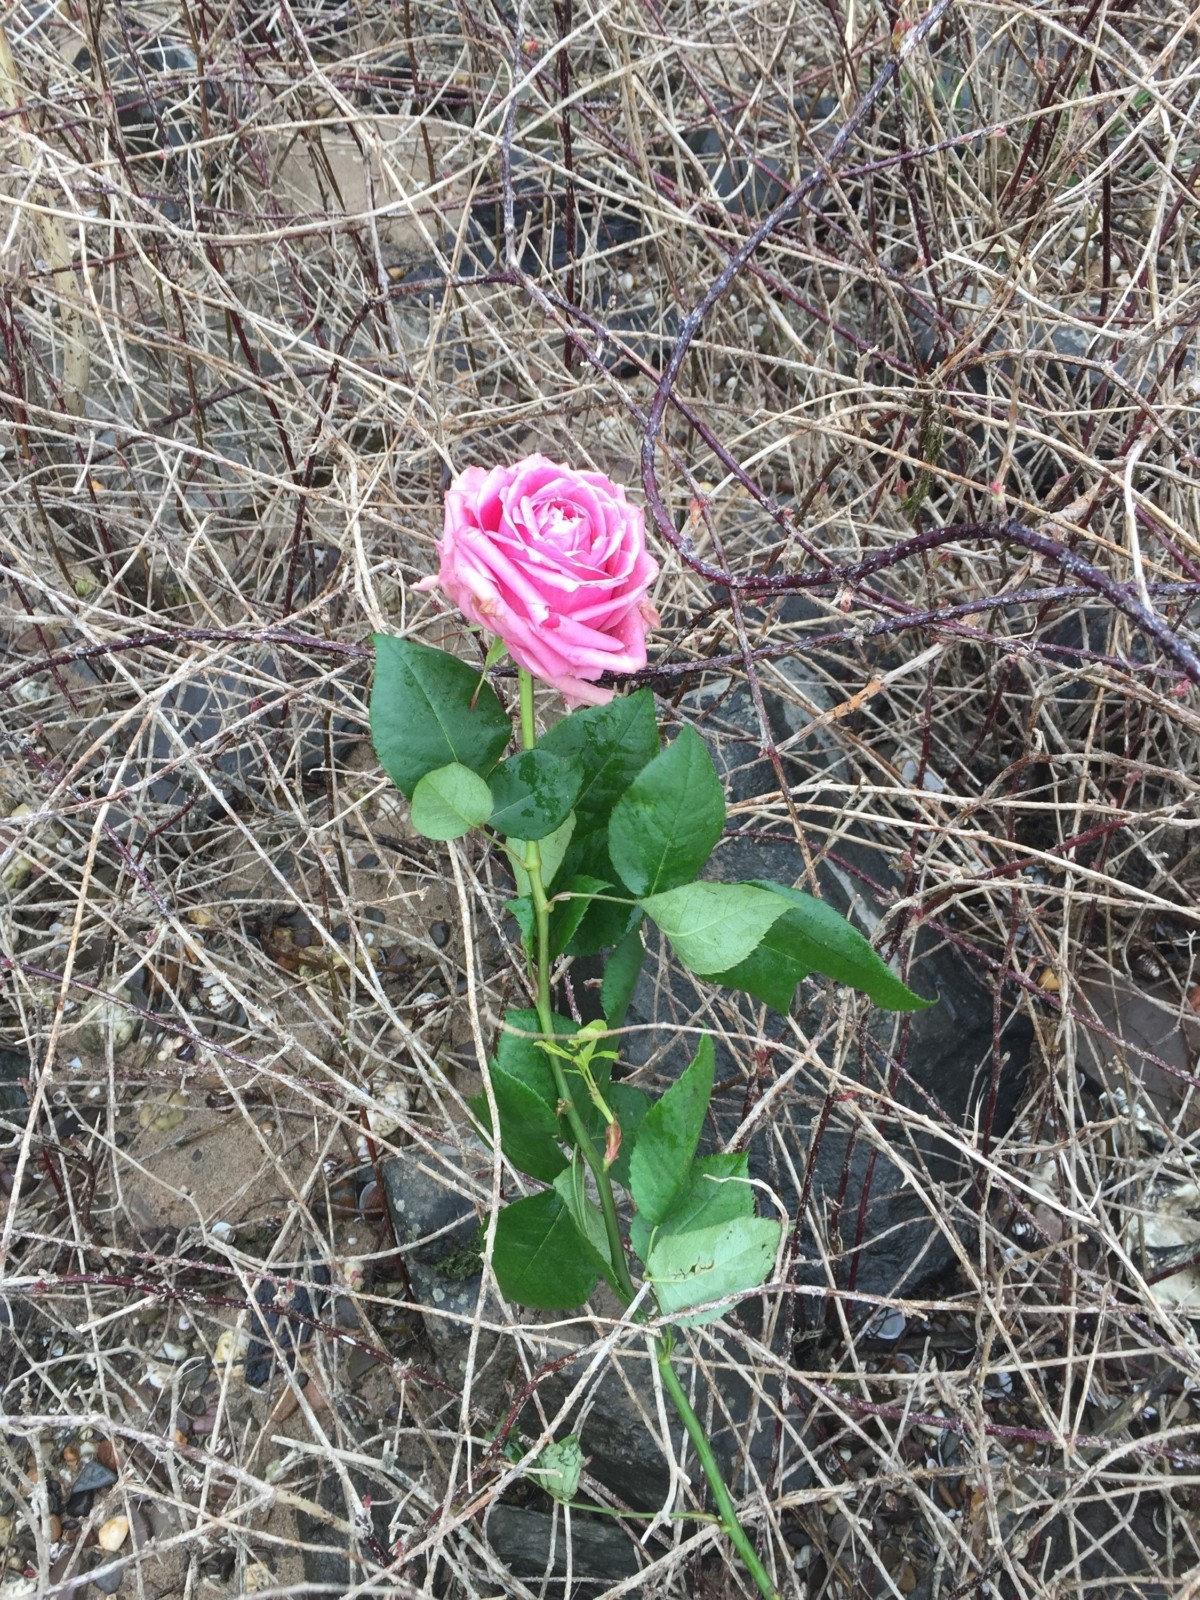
[{"x": 553, "y": 561}]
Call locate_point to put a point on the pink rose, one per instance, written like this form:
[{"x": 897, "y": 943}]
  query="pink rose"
[{"x": 554, "y": 562}]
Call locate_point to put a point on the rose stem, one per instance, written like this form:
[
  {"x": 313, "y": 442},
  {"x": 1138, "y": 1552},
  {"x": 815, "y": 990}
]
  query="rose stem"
[
  {"x": 541, "y": 909},
  {"x": 663, "y": 1343},
  {"x": 734, "y": 1532}
]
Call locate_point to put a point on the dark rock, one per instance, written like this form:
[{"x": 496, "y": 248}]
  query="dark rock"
[
  {"x": 331, "y": 1567},
  {"x": 435, "y": 1223},
  {"x": 109, "y": 1578},
  {"x": 196, "y": 716},
  {"x": 321, "y": 24},
  {"x": 389, "y": 85},
  {"x": 15, "y": 1070},
  {"x": 437, "y": 1227},
  {"x": 602, "y": 225},
  {"x": 284, "y": 1328},
  {"x": 93, "y": 1477},
  {"x": 157, "y": 88},
  {"x": 618, "y": 1424},
  {"x": 1073, "y": 352},
  {"x": 534, "y": 1543}
]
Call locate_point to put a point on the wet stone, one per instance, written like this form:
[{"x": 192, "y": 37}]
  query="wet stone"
[
  {"x": 276, "y": 727},
  {"x": 434, "y": 1222},
  {"x": 530, "y": 1543}
]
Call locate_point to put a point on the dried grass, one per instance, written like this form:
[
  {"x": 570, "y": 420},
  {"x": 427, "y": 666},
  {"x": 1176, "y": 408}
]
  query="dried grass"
[{"x": 252, "y": 320}]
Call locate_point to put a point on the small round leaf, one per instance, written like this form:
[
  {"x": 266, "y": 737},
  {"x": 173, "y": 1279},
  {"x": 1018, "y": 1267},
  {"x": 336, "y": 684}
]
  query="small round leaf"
[{"x": 449, "y": 802}]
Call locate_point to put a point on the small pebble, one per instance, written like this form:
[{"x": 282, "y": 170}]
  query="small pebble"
[
  {"x": 95, "y": 1475},
  {"x": 113, "y": 1534},
  {"x": 231, "y": 1347},
  {"x": 206, "y": 1421},
  {"x": 164, "y": 1116},
  {"x": 439, "y": 932},
  {"x": 888, "y": 1323},
  {"x": 109, "y": 1582}
]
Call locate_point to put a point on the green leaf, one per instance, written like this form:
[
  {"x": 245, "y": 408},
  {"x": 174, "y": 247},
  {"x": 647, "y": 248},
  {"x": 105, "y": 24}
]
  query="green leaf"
[
  {"x": 667, "y": 1140},
  {"x": 553, "y": 848},
  {"x": 522, "y": 909},
  {"x": 533, "y": 793},
  {"x": 606, "y": 922},
  {"x": 519, "y": 1054},
  {"x": 713, "y": 926},
  {"x": 688, "y": 1269},
  {"x": 621, "y": 973},
  {"x": 717, "y": 1190},
  {"x": 421, "y": 716},
  {"x": 449, "y": 802},
  {"x": 813, "y": 937},
  {"x": 607, "y": 919},
  {"x": 529, "y": 1129},
  {"x": 566, "y": 915},
  {"x": 496, "y": 653},
  {"x": 612, "y": 744},
  {"x": 571, "y": 1187},
  {"x": 558, "y": 1469},
  {"x": 664, "y": 827},
  {"x": 771, "y": 972},
  {"x": 541, "y": 1259},
  {"x": 630, "y": 1107}
]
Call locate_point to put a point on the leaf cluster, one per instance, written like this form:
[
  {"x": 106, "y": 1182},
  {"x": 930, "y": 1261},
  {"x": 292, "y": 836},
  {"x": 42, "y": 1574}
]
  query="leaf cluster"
[
  {"x": 694, "y": 1227},
  {"x": 606, "y": 831},
  {"x": 623, "y": 830}
]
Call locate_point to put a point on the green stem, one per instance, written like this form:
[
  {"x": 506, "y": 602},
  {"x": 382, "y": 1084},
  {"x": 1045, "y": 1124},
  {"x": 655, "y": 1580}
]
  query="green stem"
[
  {"x": 541, "y": 911},
  {"x": 734, "y": 1532},
  {"x": 663, "y": 1343}
]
